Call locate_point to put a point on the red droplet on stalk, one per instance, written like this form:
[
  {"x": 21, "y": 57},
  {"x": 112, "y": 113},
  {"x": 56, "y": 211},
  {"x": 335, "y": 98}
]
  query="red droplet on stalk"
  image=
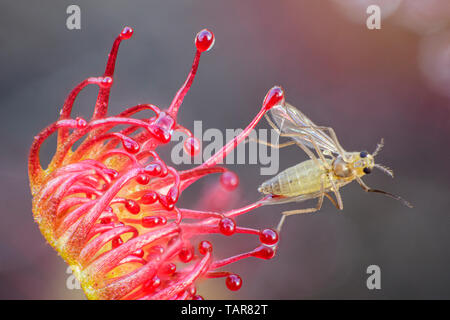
[
  {"x": 172, "y": 195},
  {"x": 268, "y": 236},
  {"x": 169, "y": 269},
  {"x": 81, "y": 123},
  {"x": 274, "y": 97},
  {"x": 132, "y": 206},
  {"x": 186, "y": 254},
  {"x": 229, "y": 180},
  {"x": 149, "y": 198},
  {"x": 130, "y": 145},
  {"x": 227, "y": 226},
  {"x": 112, "y": 173},
  {"x": 205, "y": 247},
  {"x": 191, "y": 146},
  {"x": 158, "y": 249},
  {"x": 204, "y": 40},
  {"x": 143, "y": 179},
  {"x": 139, "y": 253},
  {"x": 264, "y": 252},
  {"x": 233, "y": 282},
  {"x": 105, "y": 220},
  {"x": 126, "y": 33},
  {"x": 116, "y": 242},
  {"x": 152, "y": 284},
  {"x": 153, "y": 221},
  {"x": 154, "y": 169},
  {"x": 192, "y": 290}
]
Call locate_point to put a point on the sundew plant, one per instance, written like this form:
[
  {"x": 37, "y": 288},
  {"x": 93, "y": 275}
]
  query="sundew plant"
[{"x": 109, "y": 205}]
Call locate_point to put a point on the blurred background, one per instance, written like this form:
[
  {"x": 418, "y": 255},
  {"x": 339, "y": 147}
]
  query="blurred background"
[{"x": 366, "y": 84}]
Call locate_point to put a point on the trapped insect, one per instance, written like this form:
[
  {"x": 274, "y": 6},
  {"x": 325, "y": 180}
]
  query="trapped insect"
[{"x": 331, "y": 169}]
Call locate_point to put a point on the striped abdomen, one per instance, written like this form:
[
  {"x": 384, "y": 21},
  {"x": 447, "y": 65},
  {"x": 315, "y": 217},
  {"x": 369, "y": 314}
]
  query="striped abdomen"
[{"x": 303, "y": 178}]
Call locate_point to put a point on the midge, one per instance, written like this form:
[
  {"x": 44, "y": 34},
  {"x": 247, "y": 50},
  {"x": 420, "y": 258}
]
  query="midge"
[{"x": 325, "y": 172}]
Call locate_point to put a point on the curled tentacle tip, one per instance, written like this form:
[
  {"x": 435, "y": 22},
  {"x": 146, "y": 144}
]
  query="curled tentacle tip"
[
  {"x": 102, "y": 82},
  {"x": 105, "y": 82},
  {"x": 204, "y": 40}
]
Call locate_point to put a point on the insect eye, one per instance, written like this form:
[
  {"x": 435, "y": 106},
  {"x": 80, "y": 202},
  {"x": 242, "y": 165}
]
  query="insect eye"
[
  {"x": 363, "y": 154},
  {"x": 367, "y": 170}
]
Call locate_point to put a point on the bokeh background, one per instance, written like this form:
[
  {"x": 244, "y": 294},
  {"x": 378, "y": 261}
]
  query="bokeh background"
[{"x": 366, "y": 84}]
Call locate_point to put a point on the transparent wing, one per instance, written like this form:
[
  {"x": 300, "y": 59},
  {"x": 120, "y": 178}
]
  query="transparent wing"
[{"x": 289, "y": 120}]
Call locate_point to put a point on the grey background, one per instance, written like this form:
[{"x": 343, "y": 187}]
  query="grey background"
[{"x": 365, "y": 84}]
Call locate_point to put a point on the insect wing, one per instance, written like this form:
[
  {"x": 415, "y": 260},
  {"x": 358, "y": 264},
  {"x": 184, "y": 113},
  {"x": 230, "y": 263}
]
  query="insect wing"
[{"x": 291, "y": 121}]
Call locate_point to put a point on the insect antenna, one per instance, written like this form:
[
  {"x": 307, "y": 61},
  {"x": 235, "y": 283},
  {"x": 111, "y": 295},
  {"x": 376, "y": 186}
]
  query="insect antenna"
[
  {"x": 406, "y": 203},
  {"x": 380, "y": 146},
  {"x": 368, "y": 189},
  {"x": 386, "y": 170}
]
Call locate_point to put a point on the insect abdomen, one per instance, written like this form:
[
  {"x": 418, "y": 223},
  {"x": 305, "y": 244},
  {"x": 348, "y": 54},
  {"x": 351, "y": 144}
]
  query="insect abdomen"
[{"x": 303, "y": 178}]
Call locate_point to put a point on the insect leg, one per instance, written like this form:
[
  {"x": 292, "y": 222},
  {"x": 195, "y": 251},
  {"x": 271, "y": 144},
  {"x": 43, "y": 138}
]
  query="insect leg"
[
  {"x": 332, "y": 200},
  {"x": 272, "y": 124},
  {"x": 280, "y": 224},
  {"x": 340, "y": 204},
  {"x": 307, "y": 210}
]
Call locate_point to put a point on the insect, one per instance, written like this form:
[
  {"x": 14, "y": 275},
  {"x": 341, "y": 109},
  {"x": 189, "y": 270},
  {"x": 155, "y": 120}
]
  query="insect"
[{"x": 329, "y": 168}]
